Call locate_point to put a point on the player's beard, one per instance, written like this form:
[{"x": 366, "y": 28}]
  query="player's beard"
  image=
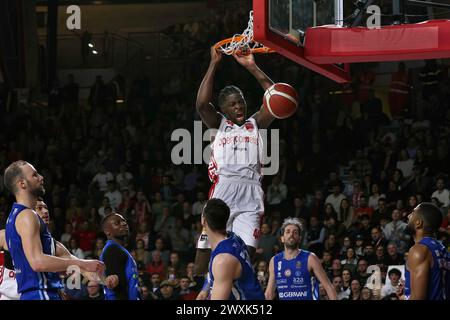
[
  {"x": 38, "y": 191},
  {"x": 409, "y": 230},
  {"x": 292, "y": 244}
]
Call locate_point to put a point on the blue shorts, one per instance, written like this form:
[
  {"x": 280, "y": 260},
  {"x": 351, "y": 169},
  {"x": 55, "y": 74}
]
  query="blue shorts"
[{"x": 40, "y": 295}]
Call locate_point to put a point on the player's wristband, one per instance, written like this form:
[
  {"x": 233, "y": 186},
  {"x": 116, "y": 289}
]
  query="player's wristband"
[{"x": 203, "y": 242}]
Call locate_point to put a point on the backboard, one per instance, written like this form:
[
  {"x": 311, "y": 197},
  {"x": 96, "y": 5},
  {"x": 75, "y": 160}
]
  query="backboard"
[
  {"x": 282, "y": 24},
  {"x": 327, "y": 35}
]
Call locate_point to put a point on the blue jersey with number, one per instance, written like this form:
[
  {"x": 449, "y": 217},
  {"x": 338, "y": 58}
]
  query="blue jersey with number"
[
  {"x": 27, "y": 279},
  {"x": 293, "y": 279},
  {"x": 439, "y": 277},
  {"x": 246, "y": 287},
  {"x": 131, "y": 273}
]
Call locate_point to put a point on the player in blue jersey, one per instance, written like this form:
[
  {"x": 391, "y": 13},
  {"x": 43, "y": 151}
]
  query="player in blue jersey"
[
  {"x": 294, "y": 272},
  {"x": 427, "y": 274},
  {"x": 118, "y": 260},
  {"x": 231, "y": 273},
  {"x": 29, "y": 241}
]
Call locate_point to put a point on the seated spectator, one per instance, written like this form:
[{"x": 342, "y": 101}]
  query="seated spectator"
[
  {"x": 267, "y": 244},
  {"x": 156, "y": 265},
  {"x": 94, "y": 291},
  {"x": 380, "y": 258},
  {"x": 75, "y": 250},
  {"x": 67, "y": 235},
  {"x": 346, "y": 243},
  {"x": 381, "y": 213},
  {"x": 361, "y": 271},
  {"x": 355, "y": 289},
  {"x": 377, "y": 237},
  {"x": 186, "y": 292},
  {"x": 160, "y": 246},
  {"x": 363, "y": 208},
  {"x": 141, "y": 254},
  {"x": 315, "y": 236},
  {"x": 393, "y": 257},
  {"x": 337, "y": 284},
  {"x": 331, "y": 246},
  {"x": 366, "y": 294},
  {"x": 391, "y": 285},
  {"x": 197, "y": 207},
  {"x": 335, "y": 199},
  {"x": 394, "y": 231},
  {"x": 442, "y": 193},
  {"x": 98, "y": 248},
  {"x": 330, "y": 212},
  {"x": 359, "y": 246},
  {"x": 336, "y": 268},
  {"x": 167, "y": 291},
  {"x": 86, "y": 237},
  {"x": 375, "y": 196},
  {"x": 369, "y": 254},
  {"x": 346, "y": 280},
  {"x": 350, "y": 261}
]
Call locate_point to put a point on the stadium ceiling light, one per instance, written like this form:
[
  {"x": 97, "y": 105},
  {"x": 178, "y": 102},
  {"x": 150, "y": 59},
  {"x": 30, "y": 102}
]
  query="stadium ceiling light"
[
  {"x": 90, "y": 45},
  {"x": 94, "y": 51}
]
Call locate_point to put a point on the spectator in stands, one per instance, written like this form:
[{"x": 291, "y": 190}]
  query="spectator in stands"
[
  {"x": 335, "y": 199},
  {"x": 268, "y": 244},
  {"x": 442, "y": 193},
  {"x": 393, "y": 256},
  {"x": 363, "y": 208},
  {"x": 337, "y": 284},
  {"x": 392, "y": 283},
  {"x": 394, "y": 231},
  {"x": 75, "y": 249}
]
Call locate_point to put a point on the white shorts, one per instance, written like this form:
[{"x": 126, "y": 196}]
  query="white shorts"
[
  {"x": 246, "y": 201},
  {"x": 8, "y": 284}
]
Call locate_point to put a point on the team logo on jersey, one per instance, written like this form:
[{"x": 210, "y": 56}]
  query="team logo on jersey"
[
  {"x": 287, "y": 273},
  {"x": 298, "y": 273},
  {"x": 249, "y": 126},
  {"x": 298, "y": 264},
  {"x": 279, "y": 265}
]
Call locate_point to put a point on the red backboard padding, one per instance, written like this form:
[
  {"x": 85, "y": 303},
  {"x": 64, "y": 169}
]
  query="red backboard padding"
[{"x": 331, "y": 44}]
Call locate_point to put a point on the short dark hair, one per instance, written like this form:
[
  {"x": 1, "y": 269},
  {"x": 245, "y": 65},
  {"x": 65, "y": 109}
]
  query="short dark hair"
[
  {"x": 105, "y": 219},
  {"x": 12, "y": 174},
  {"x": 431, "y": 216},
  {"x": 216, "y": 214},
  {"x": 394, "y": 271},
  {"x": 225, "y": 92}
]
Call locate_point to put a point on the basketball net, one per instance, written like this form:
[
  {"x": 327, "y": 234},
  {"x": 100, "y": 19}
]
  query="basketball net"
[{"x": 242, "y": 43}]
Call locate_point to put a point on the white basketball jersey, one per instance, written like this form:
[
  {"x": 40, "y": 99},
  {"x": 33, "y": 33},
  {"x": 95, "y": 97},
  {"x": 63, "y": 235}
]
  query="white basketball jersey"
[
  {"x": 236, "y": 151},
  {"x": 8, "y": 283}
]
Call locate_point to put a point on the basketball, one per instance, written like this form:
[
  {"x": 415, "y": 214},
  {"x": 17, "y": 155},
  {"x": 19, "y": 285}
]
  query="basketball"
[{"x": 281, "y": 100}]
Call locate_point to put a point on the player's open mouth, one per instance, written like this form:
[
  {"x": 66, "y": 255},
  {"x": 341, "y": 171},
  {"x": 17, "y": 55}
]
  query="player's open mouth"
[{"x": 239, "y": 117}]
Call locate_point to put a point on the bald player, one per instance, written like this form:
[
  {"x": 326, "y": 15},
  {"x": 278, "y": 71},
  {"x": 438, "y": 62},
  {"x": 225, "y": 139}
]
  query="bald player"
[{"x": 30, "y": 243}]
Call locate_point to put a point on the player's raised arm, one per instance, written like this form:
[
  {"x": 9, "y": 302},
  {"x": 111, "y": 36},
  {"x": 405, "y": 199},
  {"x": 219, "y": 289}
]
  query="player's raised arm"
[
  {"x": 419, "y": 269},
  {"x": 27, "y": 225},
  {"x": 316, "y": 267},
  {"x": 205, "y": 108},
  {"x": 270, "y": 289},
  {"x": 224, "y": 268},
  {"x": 262, "y": 117}
]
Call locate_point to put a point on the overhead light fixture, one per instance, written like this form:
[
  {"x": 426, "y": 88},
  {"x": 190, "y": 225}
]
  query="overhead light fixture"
[
  {"x": 90, "y": 45},
  {"x": 94, "y": 52}
]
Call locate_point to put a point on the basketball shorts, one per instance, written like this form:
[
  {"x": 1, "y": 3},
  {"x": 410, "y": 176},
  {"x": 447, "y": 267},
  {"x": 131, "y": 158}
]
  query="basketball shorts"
[
  {"x": 246, "y": 201},
  {"x": 8, "y": 284},
  {"x": 40, "y": 295}
]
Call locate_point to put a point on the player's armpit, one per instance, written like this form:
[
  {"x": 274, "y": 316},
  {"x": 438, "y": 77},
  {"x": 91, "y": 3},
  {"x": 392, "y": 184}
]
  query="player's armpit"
[
  {"x": 419, "y": 269},
  {"x": 263, "y": 118},
  {"x": 224, "y": 269}
]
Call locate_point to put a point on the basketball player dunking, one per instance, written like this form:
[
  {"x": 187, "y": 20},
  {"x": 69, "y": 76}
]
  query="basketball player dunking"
[{"x": 235, "y": 167}]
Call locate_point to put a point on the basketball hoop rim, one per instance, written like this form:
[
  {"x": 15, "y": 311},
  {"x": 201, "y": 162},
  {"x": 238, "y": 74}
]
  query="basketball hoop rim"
[{"x": 263, "y": 49}]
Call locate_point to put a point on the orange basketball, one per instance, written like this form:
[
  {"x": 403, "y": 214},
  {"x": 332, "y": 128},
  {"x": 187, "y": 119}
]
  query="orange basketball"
[{"x": 281, "y": 100}]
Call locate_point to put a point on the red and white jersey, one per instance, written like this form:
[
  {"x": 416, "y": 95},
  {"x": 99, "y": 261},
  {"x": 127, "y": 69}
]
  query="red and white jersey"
[
  {"x": 8, "y": 283},
  {"x": 236, "y": 151}
]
